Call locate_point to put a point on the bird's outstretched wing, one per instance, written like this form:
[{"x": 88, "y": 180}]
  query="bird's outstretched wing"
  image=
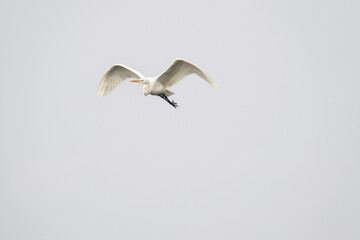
[
  {"x": 114, "y": 76},
  {"x": 180, "y": 69}
]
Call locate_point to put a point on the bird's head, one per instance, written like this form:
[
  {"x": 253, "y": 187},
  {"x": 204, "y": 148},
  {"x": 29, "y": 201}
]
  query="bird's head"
[{"x": 146, "y": 87}]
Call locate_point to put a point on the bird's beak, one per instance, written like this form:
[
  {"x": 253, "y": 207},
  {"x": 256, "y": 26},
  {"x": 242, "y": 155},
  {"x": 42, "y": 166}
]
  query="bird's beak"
[{"x": 138, "y": 80}]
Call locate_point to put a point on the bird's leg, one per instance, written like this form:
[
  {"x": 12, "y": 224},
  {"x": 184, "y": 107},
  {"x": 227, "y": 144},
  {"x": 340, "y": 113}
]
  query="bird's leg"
[{"x": 172, "y": 103}]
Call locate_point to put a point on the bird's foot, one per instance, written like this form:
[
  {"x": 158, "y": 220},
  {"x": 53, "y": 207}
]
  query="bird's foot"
[{"x": 172, "y": 103}]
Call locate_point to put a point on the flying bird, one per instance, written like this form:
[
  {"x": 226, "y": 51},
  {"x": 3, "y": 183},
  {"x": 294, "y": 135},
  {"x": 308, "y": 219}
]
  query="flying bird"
[{"x": 157, "y": 86}]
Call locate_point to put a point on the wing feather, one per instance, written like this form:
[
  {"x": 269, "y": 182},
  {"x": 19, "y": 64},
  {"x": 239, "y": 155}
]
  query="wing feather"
[
  {"x": 114, "y": 76},
  {"x": 178, "y": 70}
]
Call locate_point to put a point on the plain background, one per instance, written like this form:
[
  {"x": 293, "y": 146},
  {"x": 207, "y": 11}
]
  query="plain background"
[{"x": 273, "y": 153}]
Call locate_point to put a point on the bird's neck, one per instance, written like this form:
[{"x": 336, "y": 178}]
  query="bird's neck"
[{"x": 146, "y": 89}]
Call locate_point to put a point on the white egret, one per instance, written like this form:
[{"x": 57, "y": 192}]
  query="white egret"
[{"x": 152, "y": 85}]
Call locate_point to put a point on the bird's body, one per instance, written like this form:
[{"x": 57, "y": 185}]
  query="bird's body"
[{"x": 152, "y": 85}]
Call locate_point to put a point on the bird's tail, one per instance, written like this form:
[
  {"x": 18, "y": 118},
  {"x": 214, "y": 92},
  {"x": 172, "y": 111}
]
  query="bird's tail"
[{"x": 168, "y": 93}]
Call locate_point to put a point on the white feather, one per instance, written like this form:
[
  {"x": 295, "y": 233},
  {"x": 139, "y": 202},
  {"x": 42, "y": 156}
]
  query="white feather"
[
  {"x": 178, "y": 70},
  {"x": 114, "y": 76}
]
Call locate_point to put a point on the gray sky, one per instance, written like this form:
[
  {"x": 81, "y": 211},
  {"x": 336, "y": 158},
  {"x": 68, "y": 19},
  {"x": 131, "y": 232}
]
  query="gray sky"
[{"x": 273, "y": 153}]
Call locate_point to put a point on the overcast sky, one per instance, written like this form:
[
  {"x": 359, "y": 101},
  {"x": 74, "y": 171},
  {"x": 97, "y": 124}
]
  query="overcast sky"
[{"x": 273, "y": 153}]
